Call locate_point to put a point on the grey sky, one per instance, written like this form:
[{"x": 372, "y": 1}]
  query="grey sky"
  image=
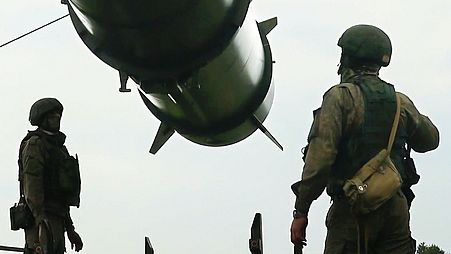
[{"x": 199, "y": 199}]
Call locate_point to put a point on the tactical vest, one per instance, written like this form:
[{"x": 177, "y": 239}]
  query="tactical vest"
[
  {"x": 62, "y": 182},
  {"x": 358, "y": 147}
]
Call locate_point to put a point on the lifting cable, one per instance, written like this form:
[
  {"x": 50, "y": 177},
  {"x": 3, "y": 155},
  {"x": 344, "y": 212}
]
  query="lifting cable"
[{"x": 51, "y": 22}]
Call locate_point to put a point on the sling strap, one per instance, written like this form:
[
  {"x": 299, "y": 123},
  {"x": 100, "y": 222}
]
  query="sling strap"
[{"x": 394, "y": 128}]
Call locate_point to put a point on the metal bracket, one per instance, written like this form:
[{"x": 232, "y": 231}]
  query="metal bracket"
[{"x": 123, "y": 77}]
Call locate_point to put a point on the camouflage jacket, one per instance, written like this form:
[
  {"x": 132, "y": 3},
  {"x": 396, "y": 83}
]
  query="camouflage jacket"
[
  {"x": 39, "y": 189},
  {"x": 342, "y": 112}
]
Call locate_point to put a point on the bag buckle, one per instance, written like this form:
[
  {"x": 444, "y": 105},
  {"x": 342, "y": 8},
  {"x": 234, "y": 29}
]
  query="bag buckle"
[{"x": 362, "y": 188}]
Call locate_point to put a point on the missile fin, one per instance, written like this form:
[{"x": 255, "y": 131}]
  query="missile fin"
[
  {"x": 266, "y": 132},
  {"x": 123, "y": 77},
  {"x": 163, "y": 134},
  {"x": 268, "y": 25},
  {"x": 148, "y": 246}
]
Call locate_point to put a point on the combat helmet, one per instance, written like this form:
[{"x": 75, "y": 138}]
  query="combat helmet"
[
  {"x": 43, "y": 106},
  {"x": 366, "y": 43}
]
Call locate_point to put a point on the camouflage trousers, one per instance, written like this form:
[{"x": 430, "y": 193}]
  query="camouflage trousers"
[
  {"x": 52, "y": 237},
  {"x": 384, "y": 231}
]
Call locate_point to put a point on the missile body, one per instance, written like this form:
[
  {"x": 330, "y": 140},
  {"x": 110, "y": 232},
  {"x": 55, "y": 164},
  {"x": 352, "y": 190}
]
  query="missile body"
[{"x": 203, "y": 67}]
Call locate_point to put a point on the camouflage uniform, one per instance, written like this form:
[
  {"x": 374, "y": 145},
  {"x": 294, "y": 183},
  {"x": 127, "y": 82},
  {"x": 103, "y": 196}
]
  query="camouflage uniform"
[
  {"x": 342, "y": 113},
  {"x": 41, "y": 154}
]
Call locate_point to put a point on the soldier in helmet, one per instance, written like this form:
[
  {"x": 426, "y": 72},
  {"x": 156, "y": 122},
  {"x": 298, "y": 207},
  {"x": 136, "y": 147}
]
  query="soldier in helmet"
[
  {"x": 352, "y": 125},
  {"x": 50, "y": 181}
]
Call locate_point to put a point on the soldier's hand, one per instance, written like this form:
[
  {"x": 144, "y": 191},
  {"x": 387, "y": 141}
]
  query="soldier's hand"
[
  {"x": 75, "y": 240},
  {"x": 298, "y": 228}
]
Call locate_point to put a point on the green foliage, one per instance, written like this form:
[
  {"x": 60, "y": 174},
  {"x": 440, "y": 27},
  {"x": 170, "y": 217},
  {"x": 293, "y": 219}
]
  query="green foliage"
[{"x": 429, "y": 249}]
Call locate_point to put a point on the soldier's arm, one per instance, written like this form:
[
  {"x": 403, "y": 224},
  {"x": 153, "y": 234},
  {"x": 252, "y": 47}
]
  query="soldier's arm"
[
  {"x": 423, "y": 135},
  {"x": 72, "y": 235},
  {"x": 323, "y": 142},
  {"x": 68, "y": 223},
  {"x": 33, "y": 182}
]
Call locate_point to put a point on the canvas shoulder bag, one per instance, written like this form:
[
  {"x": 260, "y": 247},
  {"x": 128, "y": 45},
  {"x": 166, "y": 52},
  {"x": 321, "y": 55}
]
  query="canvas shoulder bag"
[{"x": 376, "y": 181}]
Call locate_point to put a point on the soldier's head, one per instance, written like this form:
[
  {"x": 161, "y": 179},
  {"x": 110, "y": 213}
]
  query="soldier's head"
[
  {"x": 364, "y": 46},
  {"x": 46, "y": 113}
]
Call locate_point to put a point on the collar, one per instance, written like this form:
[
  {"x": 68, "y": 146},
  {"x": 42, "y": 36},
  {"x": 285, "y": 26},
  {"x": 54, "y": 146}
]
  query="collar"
[
  {"x": 57, "y": 138},
  {"x": 348, "y": 73}
]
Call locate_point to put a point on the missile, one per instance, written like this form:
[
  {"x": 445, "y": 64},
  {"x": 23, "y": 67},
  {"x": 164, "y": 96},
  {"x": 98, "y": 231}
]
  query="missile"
[{"x": 202, "y": 67}]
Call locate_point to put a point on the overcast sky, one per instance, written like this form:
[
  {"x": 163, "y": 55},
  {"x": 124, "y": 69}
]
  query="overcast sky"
[{"x": 194, "y": 199}]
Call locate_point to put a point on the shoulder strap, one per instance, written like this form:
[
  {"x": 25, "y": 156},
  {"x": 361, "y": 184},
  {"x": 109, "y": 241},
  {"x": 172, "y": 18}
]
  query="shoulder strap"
[
  {"x": 21, "y": 191},
  {"x": 395, "y": 125}
]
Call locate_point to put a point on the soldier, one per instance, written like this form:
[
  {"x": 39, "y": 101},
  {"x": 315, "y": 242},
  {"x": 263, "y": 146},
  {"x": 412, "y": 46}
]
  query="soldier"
[
  {"x": 352, "y": 126},
  {"x": 51, "y": 181}
]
